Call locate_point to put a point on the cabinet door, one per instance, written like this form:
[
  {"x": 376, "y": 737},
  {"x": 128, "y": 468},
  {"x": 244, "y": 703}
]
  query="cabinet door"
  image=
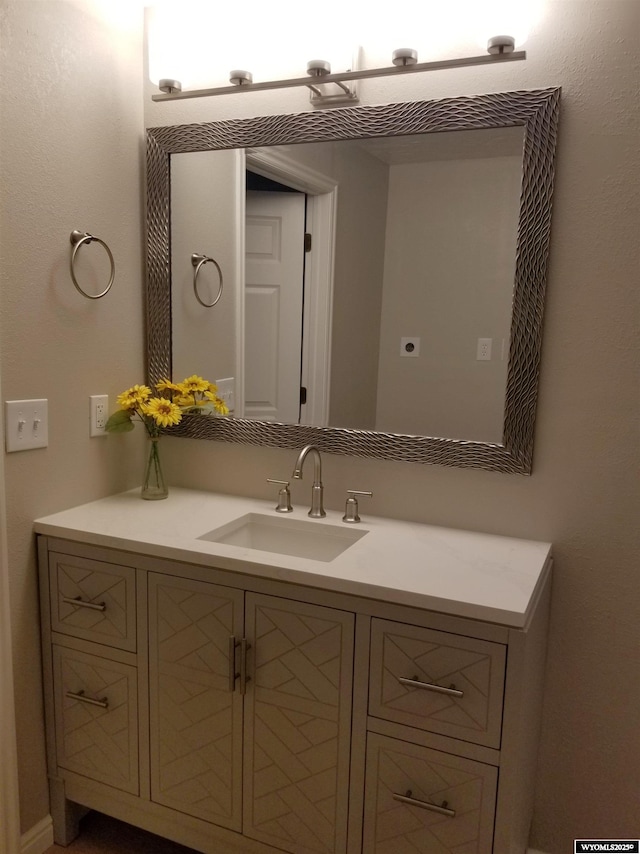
[
  {"x": 196, "y": 711},
  {"x": 298, "y": 721},
  {"x": 423, "y": 801}
]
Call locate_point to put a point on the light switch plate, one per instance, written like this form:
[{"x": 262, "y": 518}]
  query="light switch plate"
[
  {"x": 27, "y": 425},
  {"x": 226, "y": 391}
]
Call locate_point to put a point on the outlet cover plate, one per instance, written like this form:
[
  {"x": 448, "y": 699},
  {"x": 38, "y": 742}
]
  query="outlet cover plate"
[{"x": 410, "y": 346}]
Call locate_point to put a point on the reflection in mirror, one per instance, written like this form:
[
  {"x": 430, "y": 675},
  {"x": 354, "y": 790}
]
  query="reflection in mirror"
[
  {"x": 423, "y": 251},
  {"x": 414, "y": 323}
]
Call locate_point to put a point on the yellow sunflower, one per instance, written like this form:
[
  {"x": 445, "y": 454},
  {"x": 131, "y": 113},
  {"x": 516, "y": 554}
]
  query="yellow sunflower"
[
  {"x": 134, "y": 397},
  {"x": 167, "y": 385},
  {"x": 164, "y": 412},
  {"x": 220, "y": 406},
  {"x": 187, "y": 401},
  {"x": 193, "y": 384}
]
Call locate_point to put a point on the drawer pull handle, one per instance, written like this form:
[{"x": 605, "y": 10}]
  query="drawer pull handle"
[
  {"x": 94, "y": 606},
  {"x": 245, "y": 646},
  {"x": 424, "y": 805},
  {"x": 429, "y": 686},
  {"x": 81, "y": 696},
  {"x": 233, "y": 643}
]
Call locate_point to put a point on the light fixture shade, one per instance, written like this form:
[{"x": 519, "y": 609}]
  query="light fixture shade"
[
  {"x": 497, "y": 17},
  {"x": 438, "y": 30},
  {"x": 198, "y": 42}
]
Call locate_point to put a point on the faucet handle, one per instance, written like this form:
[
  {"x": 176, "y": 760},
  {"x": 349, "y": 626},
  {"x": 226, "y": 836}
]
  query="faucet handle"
[
  {"x": 351, "y": 506},
  {"x": 284, "y": 496}
]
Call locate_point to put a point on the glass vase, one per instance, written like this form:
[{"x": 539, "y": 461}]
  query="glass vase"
[{"x": 154, "y": 486}]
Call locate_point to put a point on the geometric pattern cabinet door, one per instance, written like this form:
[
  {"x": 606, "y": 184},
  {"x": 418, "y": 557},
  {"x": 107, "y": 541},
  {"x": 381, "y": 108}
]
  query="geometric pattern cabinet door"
[
  {"x": 196, "y": 708},
  {"x": 422, "y": 801},
  {"x": 436, "y": 681},
  {"x": 298, "y": 722}
]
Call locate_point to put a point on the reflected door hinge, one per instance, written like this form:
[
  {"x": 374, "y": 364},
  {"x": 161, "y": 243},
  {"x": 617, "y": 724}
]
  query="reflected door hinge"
[
  {"x": 307, "y": 242},
  {"x": 303, "y": 395}
]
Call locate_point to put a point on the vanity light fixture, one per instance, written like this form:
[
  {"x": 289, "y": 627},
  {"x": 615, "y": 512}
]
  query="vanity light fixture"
[{"x": 404, "y": 61}]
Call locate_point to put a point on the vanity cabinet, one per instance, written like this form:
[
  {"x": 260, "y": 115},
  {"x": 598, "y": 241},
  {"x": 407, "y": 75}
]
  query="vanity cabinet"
[{"x": 238, "y": 713}]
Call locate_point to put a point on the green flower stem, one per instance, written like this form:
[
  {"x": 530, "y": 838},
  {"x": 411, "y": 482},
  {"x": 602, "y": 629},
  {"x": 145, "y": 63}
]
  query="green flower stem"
[{"x": 154, "y": 486}]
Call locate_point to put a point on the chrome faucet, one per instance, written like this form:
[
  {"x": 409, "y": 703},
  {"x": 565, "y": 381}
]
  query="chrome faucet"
[{"x": 317, "y": 510}]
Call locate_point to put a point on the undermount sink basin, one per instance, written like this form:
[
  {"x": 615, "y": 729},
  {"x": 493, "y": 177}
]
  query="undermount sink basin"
[{"x": 294, "y": 537}]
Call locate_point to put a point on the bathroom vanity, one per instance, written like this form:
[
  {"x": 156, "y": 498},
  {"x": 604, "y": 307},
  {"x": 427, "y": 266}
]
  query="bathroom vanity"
[{"x": 239, "y": 680}]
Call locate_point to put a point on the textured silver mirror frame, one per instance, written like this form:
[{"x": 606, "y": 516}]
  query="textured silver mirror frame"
[{"x": 537, "y": 111}]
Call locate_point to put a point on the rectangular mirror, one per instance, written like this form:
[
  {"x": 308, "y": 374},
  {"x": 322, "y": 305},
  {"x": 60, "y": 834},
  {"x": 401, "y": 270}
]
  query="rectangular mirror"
[{"x": 413, "y": 324}]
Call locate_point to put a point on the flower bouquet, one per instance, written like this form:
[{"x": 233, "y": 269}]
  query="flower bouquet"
[{"x": 192, "y": 395}]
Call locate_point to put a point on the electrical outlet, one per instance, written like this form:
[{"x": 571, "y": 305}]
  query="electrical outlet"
[
  {"x": 27, "y": 424},
  {"x": 410, "y": 346},
  {"x": 484, "y": 349},
  {"x": 98, "y": 414}
]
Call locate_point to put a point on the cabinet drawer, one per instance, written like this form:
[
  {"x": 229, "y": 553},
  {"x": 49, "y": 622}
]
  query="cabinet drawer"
[
  {"x": 436, "y": 681},
  {"x": 96, "y": 718},
  {"x": 422, "y": 800},
  {"x": 92, "y": 600}
]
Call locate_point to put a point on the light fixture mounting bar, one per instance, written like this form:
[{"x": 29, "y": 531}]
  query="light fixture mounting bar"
[{"x": 345, "y": 76}]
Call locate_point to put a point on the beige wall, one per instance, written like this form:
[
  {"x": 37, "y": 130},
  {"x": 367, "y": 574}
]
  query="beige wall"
[
  {"x": 70, "y": 157},
  {"x": 449, "y": 268},
  {"x": 207, "y": 187},
  {"x": 583, "y": 493},
  {"x": 357, "y": 294}
]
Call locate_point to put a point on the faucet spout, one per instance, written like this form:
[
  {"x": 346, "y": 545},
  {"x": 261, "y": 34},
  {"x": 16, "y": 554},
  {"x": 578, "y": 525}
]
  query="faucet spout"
[{"x": 317, "y": 490}]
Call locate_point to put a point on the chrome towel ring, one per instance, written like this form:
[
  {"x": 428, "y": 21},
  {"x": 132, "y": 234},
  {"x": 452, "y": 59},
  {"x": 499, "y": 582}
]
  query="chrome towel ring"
[
  {"x": 77, "y": 238},
  {"x": 198, "y": 261}
]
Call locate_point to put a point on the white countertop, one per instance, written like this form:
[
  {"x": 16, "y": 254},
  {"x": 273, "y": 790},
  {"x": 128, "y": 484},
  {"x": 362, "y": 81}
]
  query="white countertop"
[{"x": 467, "y": 574}]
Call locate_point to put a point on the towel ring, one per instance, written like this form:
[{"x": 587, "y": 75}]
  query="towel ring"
[
  {"x": 77, "y": 239},
  {"x": 198, "y": 261}
]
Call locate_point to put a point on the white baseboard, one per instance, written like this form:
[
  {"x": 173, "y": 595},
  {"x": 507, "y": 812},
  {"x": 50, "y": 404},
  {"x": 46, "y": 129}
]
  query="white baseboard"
[
  {"x": 535, "y": 851},
  {"x": 38, "y": 839}
]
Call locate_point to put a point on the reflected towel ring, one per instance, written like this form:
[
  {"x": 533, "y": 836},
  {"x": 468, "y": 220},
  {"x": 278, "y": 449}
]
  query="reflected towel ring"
[
  {"x": 77, "y": 239},
  {"x": 198, "y": 261}
]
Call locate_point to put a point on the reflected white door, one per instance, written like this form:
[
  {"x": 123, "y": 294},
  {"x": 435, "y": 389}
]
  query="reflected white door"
[{"x": 274, "y": 256}]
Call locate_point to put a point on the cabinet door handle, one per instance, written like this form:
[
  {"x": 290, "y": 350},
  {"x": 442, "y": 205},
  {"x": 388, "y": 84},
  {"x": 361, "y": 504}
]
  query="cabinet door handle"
[
  {"x": 81, "y": 696},
  {"x": 233, "y": 643},
  {"x": 424, "y": 805},
  {"x": 94, "y": 606},
  {"x": 245, "y": 646},
  {"x": 429, "y": 686}
]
